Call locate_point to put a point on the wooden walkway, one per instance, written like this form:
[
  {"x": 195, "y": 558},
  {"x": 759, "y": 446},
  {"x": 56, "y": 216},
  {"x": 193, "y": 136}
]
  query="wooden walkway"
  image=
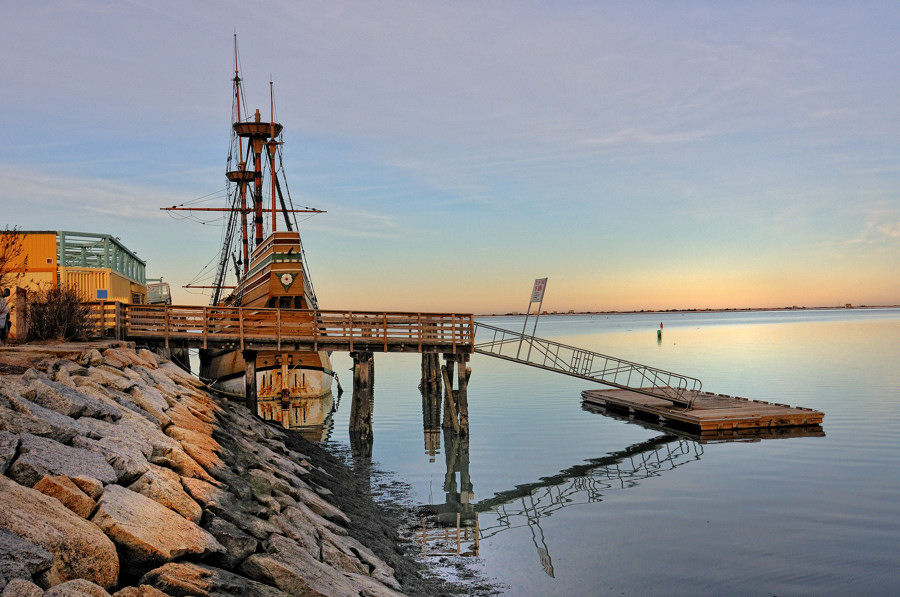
[
  {"x": 709, "y": 413},
  {"x": 284, "y": 329}
]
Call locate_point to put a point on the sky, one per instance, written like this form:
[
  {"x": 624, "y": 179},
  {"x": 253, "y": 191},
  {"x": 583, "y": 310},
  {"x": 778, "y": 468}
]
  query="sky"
[{"x": 640, "y": 155}]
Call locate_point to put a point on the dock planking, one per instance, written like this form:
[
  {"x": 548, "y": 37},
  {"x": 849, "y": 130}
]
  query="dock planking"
[{"x": 710, "y": 413}]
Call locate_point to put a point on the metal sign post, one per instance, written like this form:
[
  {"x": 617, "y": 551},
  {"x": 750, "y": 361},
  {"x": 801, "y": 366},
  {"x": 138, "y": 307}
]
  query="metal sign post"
[{"x": 537, "y": 296}]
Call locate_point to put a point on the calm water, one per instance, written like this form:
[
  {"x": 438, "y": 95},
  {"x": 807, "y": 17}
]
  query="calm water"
[{"x": 577, "y": 503}]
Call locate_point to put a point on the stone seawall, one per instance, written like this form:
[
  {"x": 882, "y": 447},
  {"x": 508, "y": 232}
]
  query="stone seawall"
[{"x": 120, "y": 475}]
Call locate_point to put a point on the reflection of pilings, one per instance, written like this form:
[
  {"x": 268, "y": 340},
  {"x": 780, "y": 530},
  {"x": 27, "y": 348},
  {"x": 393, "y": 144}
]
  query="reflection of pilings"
[
  {"x": 361, "y": 452},
  {"x": 431, "y": 422},
  {"x": 458, "y": 507},
  {"x": 361, "y": 406},
  {"x": 456, "y": 402}
]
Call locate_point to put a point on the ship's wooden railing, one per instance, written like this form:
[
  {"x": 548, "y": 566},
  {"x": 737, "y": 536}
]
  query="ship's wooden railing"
[{"x": 210, "y": 327}]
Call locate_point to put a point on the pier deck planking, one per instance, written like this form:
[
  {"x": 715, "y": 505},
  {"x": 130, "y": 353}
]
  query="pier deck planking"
[{"x": 710, "y": 413}]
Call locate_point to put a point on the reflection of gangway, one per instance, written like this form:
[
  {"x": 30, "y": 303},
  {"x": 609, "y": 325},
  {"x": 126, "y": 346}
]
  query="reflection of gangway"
[
  {"x": 583, "y": 484},
  {"x": 585, "y": 364}
]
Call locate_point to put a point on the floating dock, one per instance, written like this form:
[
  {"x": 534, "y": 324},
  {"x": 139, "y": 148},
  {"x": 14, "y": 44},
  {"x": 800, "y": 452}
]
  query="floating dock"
[{"x": 710, "y": 414}]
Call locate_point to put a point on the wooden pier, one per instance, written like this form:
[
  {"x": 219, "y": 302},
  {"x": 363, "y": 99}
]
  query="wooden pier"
[
  {"x": 245, "y": 328},
  {"x": 360, "y": 333},
  {"x": 710, "y": 414}
]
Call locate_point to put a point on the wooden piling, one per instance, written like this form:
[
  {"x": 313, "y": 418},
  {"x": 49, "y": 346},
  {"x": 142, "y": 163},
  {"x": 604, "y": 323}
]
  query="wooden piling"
[
  {"x": 462, "y": 399},
  {"x": 361, "y": 405},
  {"x": 451, "y": 418},
  {"x": 431, "y": 373},
  {"x": 456, "y": 402},
  {"x": 250, "y": 380}
]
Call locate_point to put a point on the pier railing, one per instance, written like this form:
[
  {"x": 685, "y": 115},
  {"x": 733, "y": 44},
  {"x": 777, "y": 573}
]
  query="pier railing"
[
  {"x": 578, "y": 362},
  {"x": 244, "y": 327}
]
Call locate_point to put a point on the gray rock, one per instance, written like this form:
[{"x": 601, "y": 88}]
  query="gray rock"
[
  {"x": 8, "y": 444},
  {"x": 33, "y": 374},
  {"x": 40, "y": 456},
  {"x": 77, "y": 588},
  {"x": 123, "y": 455},
  {"x": 111, "y": 396},
  {"x": 91, "y": 358},
  {"x": 238, "y": 544},
  {"x": 147, "y": 533},
  {"x": 20, "y": 558},
  {"x": 71, "y": 367},
  {"x": 109, "y": 377},
  {"x": 348, "y": 554},
  {"x": 70, "y": 402},
  {"x": 79, "y": 549},
  {"x": 62, "y": 376},
  {"x": 18, "y": 587},
  {"x": 293, "y": 570},
  {"x": 146, "y": 436},
  {"x": 198, "y": 580},
  {"x": 24, "y": 416}
]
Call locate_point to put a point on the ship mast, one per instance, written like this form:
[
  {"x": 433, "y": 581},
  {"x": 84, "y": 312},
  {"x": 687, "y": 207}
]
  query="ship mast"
[{"x": 258, "y": 134}]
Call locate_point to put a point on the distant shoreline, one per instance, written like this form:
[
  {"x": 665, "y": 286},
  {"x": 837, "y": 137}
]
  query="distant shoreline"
[{"x": 708, "y": 310}]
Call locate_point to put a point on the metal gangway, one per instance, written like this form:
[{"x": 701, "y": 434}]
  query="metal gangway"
[{"x": 585, "y": 364}]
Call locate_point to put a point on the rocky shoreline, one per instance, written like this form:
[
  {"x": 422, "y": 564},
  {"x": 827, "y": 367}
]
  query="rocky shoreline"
[{"x": 120, "y": 475}]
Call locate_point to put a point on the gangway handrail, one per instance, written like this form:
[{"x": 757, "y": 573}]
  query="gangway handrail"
[{"x": 580, "y": 362}]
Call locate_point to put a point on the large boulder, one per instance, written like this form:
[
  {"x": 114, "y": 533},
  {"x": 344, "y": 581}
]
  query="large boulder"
[
  {"x": 68, "y": 493},
  {"x": 238, "y": 544},
  {"x": 123, "y": 455},
  {"x": 19, "y": 587},
  {"x": 293, "y": 570},
  {"x": 20, "y": 558},
  {"x": 77, "y": 588},
  {"x": 70, "y": 402},
  {"x": 79, "y": 548},
  {"x": 197, "y": 580},
  {"x": 164, "y": 486},
  {"x": 147, "y": 533},
  {"x": 40, "y": 456},
  {"x": 18, "y": 415}
]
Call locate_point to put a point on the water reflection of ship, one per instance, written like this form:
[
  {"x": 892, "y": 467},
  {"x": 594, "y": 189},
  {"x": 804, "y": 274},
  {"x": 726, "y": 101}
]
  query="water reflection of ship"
[{"x": 312, "y": 417}]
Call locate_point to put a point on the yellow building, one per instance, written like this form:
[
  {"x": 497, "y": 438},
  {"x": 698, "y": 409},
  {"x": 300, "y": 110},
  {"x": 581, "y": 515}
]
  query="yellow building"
[{"x": 98, "y": 266}]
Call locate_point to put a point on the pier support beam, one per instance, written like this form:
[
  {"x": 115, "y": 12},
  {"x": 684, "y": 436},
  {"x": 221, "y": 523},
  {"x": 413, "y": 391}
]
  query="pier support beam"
[
  {"x": 361, "y": 406},
  {"x": 250, "y": 380},
  {"x": 430, "y": 386},
  {"x": 431, "y": 373},
  {"x": 456, "y": 402}
]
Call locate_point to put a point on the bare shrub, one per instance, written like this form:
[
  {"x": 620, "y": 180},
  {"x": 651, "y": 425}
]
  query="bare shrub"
[
  {"x": 57, "y": 314},
  {"x": 11, "y": 256}
]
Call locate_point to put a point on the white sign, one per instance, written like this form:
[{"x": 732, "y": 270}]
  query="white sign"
[{"x": 537, "y": 293}]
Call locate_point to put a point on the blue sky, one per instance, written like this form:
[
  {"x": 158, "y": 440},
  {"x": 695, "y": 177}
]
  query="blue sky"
[{"x": 642, "y": 155}]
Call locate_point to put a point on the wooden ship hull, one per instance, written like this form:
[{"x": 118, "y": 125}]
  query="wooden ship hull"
[{"x": 288, "y": 381}]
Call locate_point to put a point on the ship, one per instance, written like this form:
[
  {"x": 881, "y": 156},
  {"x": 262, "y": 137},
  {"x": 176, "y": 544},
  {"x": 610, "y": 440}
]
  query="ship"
[{"x": 262, "y": 265}]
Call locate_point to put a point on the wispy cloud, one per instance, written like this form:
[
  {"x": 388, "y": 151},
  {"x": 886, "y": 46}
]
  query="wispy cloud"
[
  {"x": 352, "y": 223},
  {"x": 25, "y": 189},
  {"x": 891, "y": 229},
  {"x": 641, "y": 137}
]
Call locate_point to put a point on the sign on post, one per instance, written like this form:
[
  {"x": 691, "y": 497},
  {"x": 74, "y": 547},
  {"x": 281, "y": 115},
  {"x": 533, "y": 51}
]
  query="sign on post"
[
  {"x": 537, "y": 293},
  {"x": 537, "y": 296}
]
